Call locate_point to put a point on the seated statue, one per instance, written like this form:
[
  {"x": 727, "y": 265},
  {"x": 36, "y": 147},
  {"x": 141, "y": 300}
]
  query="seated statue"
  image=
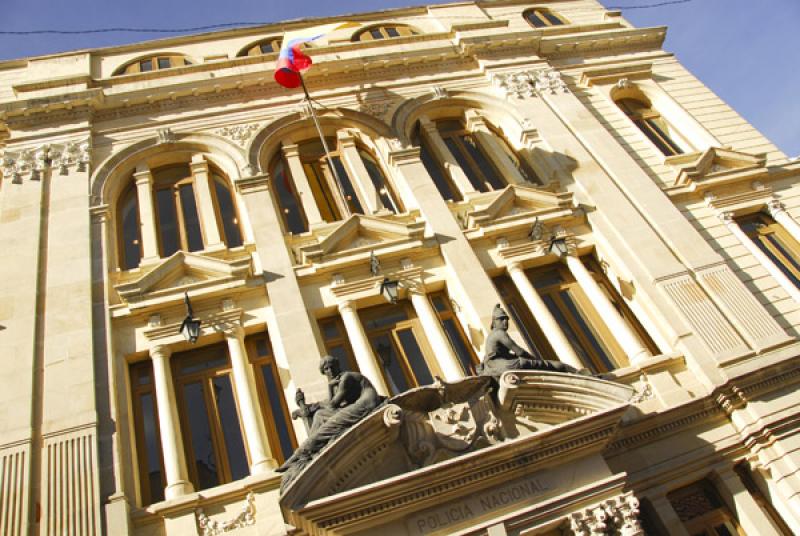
[
  {"x": 503, "y": 354},
  {"x": 351, "y": 398}
]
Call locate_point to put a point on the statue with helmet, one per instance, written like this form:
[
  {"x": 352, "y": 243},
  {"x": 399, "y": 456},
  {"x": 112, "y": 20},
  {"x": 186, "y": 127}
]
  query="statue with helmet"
[{"x": 503, "y": 354}]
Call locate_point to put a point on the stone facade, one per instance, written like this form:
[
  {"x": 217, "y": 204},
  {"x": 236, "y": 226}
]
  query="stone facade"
[{"x": 546, "y": 156}]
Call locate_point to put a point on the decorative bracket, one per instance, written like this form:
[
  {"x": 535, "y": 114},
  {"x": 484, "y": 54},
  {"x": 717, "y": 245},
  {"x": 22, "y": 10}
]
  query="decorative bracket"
[{"x": 32, "y": 162}]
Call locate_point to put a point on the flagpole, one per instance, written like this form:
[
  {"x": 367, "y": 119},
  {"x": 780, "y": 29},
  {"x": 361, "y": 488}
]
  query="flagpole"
[{"x": 324, "y": 144}]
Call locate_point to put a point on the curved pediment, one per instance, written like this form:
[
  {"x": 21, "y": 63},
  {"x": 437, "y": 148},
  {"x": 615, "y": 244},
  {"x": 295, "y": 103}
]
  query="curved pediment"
[{"x": 455, "y": 432}]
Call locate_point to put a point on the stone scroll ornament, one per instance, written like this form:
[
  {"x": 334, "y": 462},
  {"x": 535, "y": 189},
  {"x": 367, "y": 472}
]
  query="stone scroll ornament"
[{"x": 503, "y": 354}]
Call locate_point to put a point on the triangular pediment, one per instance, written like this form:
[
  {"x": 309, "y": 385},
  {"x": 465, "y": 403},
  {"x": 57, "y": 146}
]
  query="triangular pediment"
[
  {"x": 518, "y": 202},
  {"x": 360, "y": 233},
  {"x": 717, "y": 164},
  {"x": 445, "y": 437},
  {"x": 180, "y": 273}
]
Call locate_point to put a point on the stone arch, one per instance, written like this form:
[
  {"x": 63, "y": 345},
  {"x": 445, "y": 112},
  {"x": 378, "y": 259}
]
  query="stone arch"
[
  {"x": 112, "y": 174},
  {"x": 500, "y": 113},
  {"x": 298, "y": 126}
]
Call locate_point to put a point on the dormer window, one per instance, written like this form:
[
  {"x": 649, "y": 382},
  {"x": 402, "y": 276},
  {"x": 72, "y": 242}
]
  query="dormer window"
[
  {"x": 267, "y": 46},
  {"x": 384, "y": 32},
  {"x": 153, "y": 63},
  {"x": 542, "y": 18}
]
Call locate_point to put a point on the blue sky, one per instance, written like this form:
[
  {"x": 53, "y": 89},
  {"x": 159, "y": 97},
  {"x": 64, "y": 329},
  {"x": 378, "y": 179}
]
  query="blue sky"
[{"x": 745, "y": 51}]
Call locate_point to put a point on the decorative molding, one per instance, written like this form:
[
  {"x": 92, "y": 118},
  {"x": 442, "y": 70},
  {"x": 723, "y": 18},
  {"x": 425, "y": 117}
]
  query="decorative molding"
[
  {"x": 239, "y": 134},
  {"x": 33, "y": 162},
  {"x": 246, "y": 518},
  {"x": 439, "y": 93},
  {"x": 375, "y": 109},
  {"x": 531, "y": 83},
  {"x": 619, "y": 515},
  {"x": 165, "y": 135}
]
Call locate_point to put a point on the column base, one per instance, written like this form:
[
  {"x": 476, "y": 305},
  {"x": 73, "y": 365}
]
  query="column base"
[{"x": 177, "y": 489}]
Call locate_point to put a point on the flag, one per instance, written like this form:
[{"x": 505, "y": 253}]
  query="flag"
[{"x": 291, "y": 59}]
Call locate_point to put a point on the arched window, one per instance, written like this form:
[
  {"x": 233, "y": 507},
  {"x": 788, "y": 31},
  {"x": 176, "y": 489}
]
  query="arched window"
[
  {"x": 362, "y": 186},
  {"x": 267, "y": 46},
  {"x": 651, "y": 124},
  {"x": 177, "y": 213},
  {"x": 385, "y": 31},
  {"x": 541, "y": 18},
  {"x": 153, "y": 63},
  {"x": 482, "y": 154}
]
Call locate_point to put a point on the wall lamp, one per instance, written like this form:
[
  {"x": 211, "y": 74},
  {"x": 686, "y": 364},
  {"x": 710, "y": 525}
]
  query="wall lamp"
[
  {"x": 389, "y": 289},
  {"x": 190, "y": 327}
]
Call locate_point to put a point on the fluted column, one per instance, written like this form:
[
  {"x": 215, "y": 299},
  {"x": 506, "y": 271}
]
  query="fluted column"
[
  {"x": 619, "y": 328},
  {"x": 361, "y": 347},
  {"x": 444, "y": 156},
  {"x": 147, "y": 217},
  {"x": 762, "y": 258},
  {"x": 261, "y": 459},
  {"x": 169, "y": 426},
  {"x": 550, "y": 327},
  {"x": 779, "y": 213},
  {"x": 291, "y": 151},
  {"x": 442, "y": 349},
  {"x": 208, "y": 216}
]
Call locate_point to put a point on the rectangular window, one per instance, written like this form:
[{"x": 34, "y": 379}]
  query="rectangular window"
[
  {"x": 146, "y": 65},
  {"x": 191, "y": 220},
  {"x": 148, "y": 439},
  {"x": 337, "y": 344},
  {"x": 455, "y": 334},
  {"x": 446, "y": 188},
  {"x": 167, "y": 222},
  {"x": 273, "y": 403},
  {"x": 399, "y": 345},
  {"x": 163, "y": 63},
  {"x": 776, "y": 243},
  {"x": 227, "y": 213}
]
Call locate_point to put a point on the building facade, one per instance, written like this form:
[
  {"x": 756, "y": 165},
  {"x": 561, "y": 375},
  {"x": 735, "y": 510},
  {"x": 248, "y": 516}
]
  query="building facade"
[{"x": 548, "y": 157}]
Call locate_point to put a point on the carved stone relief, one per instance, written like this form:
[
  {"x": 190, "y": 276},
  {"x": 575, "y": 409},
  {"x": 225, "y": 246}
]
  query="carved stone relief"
[
  {"x": 210, "y": 527},
  {"x": 32, "y": 162},
  {"x": 530, "y": 83},
  {"x": 619, "y": 515},
  {"x": 239, "y": 134}
]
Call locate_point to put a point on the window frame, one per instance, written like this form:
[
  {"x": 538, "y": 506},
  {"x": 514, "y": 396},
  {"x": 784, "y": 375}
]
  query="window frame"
[
  {"x": 340, "y": 340},
  {"x": 652, "y": 124},
  {"x": 137, "y": 389},
  {"x": 411, "y": 323},
  {"x": 402, "y": 30},
  {"x": 764, "y": 231},
  {"x": 135, "y": 66},
  {"x": 174, "y": 186},
  {"x": 541, "y": 15},
  {"x": 474, "y": 172},
  {"x": 449, "y": 315},
  {"x": 213, "y": 178},
  {"x": 130, "y": 191}
]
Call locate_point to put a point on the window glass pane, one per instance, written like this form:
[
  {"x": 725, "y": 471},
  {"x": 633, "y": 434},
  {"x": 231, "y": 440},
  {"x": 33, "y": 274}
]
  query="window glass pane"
[
  {"x": 392, "y": 370},
  {"x": 378, "y": 181},
  {"x": 167, "y": 222},
  {"x": 388, "y": 316},
  {"x": 340, "y": 352},
  {"x": 152, "y": 447},
  {"x": 760, "y": 242},
  {"x": 230, "y": 223},
  {"x": 588, "y": 331},
  {"x": 353, "y": 204},
  {"x": 543, "y": 279},
  {"x": 391, "y": 31},
  {"x": 163, "y": 63},
  {"x": 419, "y": 367},
  {"x": 131, "y": 238},
  {"x": 262, "y": 348},
  {"x": 464, "y": 164},
  {"x": 191, "y": 221},
  {"x": 784, "y": 251},
  {"x": 214, "y": 357},
  {"x": 534, "y": 18},
  {"x": 323, "y": 196},
  {"x": 665, "y": 141},
  {"x": 146, "y": 65},
  {"x": 284, "y": 187},
  {"x": 442, "y": 184},
  {"x": 552, "y": 19},
  {"x": 459, "y": 346},
  {"x": 439, "y": 304},
  {"x": 484, "y": 166},
  {"x": 231, "y": 430},
  {"x": 376, "y": 33},
  {"x": 330, "y": 330},
  {"x": 205, "y": 459},
  {"x": 274, "y": 396},
  {"x": 575, "y": 342}
]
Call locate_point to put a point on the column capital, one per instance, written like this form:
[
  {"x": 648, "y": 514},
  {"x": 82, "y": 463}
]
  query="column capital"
[
  {"x": 233, "y": 330},
  {"x": 475, "y": 121},
  {"x": 290, "y": 149},
  {"x": 514, "y": 266},
  {"x": 142, "y": 176},
  {"x": 198, "y": 164},
  {"x": 345, "y": 137},
  {"x": 160, "y": 351},
  {"x": 775, "y": 208},
  {"x": 727, "y": 217},
  {"x": 347, "y": 306}
]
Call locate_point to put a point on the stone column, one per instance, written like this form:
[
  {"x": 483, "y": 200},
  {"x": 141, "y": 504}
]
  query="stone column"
[
  {"x": 761, "y": 257},
  {"x": 291, "y": 152},
  {"x": 169, "y": 426},
  {"x": 750, "y": 515},
  {"x": 358, "y": 172},
  {"x": 442, "y": 349},
  {"x": 626, "y": 337},
  {"x": 782, "y": 216},
  {"x": 147, "y": 216},
  {"x": 207, "y": 214},
  {"x": 444, "y": 156},
  {"x": 488, "y": 140},
  {"x": 555, "y": 335},
  {"x": 361, "y": 347},
  {"x": 261, "y": 459}
]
